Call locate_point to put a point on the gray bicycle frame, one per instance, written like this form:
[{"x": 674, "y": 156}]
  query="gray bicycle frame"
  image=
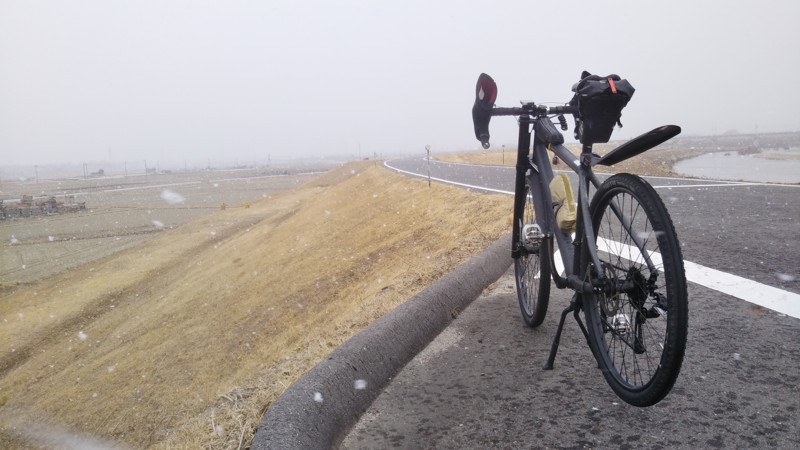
[{"x": 539, "y": 175}]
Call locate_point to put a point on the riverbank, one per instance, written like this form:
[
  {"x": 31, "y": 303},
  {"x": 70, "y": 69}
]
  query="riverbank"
[{"x": 184, "y": 340}]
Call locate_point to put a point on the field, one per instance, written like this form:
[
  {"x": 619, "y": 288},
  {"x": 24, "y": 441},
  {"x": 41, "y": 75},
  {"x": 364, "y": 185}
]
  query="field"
[
  {"x": 189, "y": 319},
  {"x": 121, "y": 212}
]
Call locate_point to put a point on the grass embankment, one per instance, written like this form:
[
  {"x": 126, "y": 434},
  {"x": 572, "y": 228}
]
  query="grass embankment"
[
  {"x": 184, "y": 341},
  {"x": 655, "y": 162}
]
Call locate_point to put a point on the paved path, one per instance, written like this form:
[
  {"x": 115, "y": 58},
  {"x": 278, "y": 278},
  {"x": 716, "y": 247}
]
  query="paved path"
[{"x": 479, "y": 384}]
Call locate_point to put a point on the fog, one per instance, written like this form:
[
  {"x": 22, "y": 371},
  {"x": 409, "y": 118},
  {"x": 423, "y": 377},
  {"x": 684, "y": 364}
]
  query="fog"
[{"x": 177, "y": 81}]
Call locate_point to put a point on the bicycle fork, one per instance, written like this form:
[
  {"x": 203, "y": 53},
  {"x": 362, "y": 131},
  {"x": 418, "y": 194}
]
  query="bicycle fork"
[{"x": 523, "y": 165}]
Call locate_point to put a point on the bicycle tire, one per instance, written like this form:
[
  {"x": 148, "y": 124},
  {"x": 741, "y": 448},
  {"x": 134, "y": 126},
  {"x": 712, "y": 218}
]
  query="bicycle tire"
[
  {"x": 532, "y": 277},
  {"x": 638, "y": 328}
]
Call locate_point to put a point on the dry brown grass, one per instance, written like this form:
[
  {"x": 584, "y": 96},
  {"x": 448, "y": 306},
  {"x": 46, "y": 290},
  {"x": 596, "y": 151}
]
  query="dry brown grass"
[
  {"x": 654, "y": 162},
  {"x": 183, "y": 341},
  {"x": 778, "y": 156}
]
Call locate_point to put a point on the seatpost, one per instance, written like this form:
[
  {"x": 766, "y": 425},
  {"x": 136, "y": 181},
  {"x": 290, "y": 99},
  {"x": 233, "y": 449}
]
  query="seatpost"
[
  {"x": 523, "y": 149},
  {"x": 584, "y": 218}
]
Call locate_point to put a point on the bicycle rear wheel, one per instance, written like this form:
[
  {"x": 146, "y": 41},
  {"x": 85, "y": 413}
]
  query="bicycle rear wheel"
[
  {"x": 638, "y": 323},
  {"x": 531, "y": 272}
]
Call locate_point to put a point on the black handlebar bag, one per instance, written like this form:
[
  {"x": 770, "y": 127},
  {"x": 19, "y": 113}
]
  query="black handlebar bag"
[{"x": 600, "y": 101}]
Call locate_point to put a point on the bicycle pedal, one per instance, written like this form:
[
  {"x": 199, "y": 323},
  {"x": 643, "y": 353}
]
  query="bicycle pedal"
[
  {"x": 621, "y": 324},
  {"x": 532, "y": 237}
]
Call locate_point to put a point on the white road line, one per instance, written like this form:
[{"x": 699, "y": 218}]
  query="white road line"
[
  {"x": 136, "y": 188},
  {"x": 498, "y": 191},
  {"x": 185, "y": 183},
  {"x": 761, "y": 294},
  {"x": 266, "y": 176},
  {"x": 779, "y": 300},
  {"x": 784, "y": 302},
  {"x": 668, "y": 186}
]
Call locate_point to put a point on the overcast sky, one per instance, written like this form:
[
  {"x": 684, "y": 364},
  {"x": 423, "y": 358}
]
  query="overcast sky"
[{"x": 170, "y": 80}]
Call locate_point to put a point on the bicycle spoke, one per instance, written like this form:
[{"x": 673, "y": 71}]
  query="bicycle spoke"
[
  {"x": 633, "y": 331},
  {"x": 533, "y": 286}
]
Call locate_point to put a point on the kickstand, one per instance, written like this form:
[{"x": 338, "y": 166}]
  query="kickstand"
[{"x": 575, "y": 306}]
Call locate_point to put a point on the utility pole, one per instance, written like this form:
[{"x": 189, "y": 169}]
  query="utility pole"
[{"x": 428, "y": 149}]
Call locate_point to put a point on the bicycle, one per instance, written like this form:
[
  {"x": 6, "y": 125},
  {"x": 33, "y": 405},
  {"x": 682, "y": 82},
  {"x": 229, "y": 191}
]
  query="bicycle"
[{"x": 626, "y": 269}]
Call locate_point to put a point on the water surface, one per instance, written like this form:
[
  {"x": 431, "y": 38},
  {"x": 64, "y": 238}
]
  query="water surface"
[{"x": 737, "y": 167}]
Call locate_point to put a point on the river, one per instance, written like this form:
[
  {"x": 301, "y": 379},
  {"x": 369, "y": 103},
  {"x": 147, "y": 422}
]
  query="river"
[{"x": 731, "y": 165}]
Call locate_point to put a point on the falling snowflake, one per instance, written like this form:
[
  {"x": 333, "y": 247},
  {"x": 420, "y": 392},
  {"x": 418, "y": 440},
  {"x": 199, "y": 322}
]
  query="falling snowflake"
[
  {"x": 82, "y": 336},
  {"x": 317, "y": 397},
  {"x": 173, "y": 198},
  {"x": 360, "y": 384}
]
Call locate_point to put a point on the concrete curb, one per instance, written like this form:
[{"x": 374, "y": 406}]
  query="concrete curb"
[{"x": 321, "y": 406}]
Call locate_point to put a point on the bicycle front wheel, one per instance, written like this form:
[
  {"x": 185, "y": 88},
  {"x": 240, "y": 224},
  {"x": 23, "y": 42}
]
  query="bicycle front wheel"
[
  {"x": 531, "y": 272},
  {"x": 637, "y": 322}
]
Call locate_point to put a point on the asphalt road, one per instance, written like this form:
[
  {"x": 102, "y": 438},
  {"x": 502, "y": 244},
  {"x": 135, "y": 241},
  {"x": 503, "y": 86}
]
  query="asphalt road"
[
  {"x": 479, "y": 384},
  {"x": 751, "y": 230}
]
